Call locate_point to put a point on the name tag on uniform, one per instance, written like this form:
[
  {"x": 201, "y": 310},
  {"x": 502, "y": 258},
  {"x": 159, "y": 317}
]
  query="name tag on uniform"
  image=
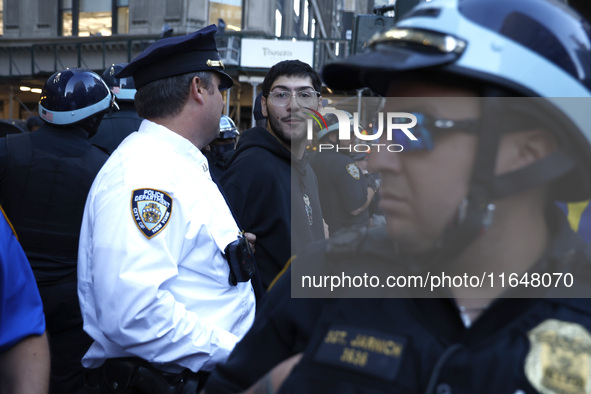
[{"x": 360, "y": 349}]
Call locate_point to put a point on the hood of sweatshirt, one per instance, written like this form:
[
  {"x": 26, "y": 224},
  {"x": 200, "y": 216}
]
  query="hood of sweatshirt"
[{"x": 260, "y": 137}]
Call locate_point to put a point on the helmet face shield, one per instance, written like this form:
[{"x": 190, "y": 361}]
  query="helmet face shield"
[{"x": 72, "y": 95}]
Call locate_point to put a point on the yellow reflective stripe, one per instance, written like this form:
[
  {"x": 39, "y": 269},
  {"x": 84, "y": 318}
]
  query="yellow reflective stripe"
[
  {"x": 8, "y": 221},
  {"x": 575, "y": 212},
  {"x": 280, "y": 274}
]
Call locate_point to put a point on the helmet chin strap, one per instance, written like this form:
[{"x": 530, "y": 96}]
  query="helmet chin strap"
[{"x": 475, "y": 213}]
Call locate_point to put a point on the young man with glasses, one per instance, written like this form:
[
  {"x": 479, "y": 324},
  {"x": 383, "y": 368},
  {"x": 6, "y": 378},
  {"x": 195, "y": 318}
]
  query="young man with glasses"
[
  {"x": 268, "y": 181},
  {"x": 500, "y": 91}
]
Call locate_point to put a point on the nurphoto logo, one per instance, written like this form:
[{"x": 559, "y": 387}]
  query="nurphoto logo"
[{"x": 397, "y": 125}]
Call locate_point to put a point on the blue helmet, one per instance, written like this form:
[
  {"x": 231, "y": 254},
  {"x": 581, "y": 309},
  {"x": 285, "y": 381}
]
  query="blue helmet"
[
  {"x": 486, "y": 40},
  {"x": 529, "y": 48},
  {"x": 228, "y": 129},
  {"x": 73, "y": 95},
  {"x": 538, "y": 49},
  {"x": 123, "y": 88}
]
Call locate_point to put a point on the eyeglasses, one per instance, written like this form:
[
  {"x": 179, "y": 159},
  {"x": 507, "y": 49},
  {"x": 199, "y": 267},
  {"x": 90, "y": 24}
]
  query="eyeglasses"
[
  {"x": 426, "y": 128},
  {"x": 305, "y": 98}
]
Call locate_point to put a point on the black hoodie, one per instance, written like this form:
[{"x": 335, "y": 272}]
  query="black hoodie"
[{"x": 267, "y": 188}]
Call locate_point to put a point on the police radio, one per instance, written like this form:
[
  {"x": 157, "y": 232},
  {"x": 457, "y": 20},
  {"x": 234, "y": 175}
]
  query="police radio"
[{"x": 241, "y": 260}]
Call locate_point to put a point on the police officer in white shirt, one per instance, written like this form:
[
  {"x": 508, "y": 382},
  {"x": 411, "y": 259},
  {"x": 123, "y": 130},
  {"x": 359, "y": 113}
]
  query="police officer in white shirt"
[{"x": 156, "y": 290}]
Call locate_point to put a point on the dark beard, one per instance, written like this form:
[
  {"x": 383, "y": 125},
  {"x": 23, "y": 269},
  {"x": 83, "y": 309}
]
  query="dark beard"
[{"x": 278, "y": 132}]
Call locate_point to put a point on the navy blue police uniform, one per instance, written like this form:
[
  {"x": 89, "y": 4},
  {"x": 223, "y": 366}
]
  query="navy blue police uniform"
[
  {"x": 116, "y": 126},
  {"x": 418, "y": 345},
  {"x": 44, "y": 180},
  {"x": 342, "y": 188},
  {"x": 421, "y": 345},
  {"x": 216, "y": 163},
  {"x": 222, "y": 148}
]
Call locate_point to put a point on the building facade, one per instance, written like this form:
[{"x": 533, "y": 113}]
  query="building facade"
[{"x": 40, "y": 37}]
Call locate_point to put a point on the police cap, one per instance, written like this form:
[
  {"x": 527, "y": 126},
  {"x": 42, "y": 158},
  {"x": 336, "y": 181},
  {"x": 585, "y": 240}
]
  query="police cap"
[{"x": 178, "y": 55}]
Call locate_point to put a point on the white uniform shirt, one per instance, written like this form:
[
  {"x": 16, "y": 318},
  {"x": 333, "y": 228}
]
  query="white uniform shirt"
[{"x": 160, "y": 293}]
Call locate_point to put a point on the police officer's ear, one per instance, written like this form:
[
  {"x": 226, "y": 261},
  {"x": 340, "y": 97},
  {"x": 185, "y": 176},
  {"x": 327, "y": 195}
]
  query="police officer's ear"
[
  {"x": 196, "y": 89},
  {"x": 520, "y": 149},
  {"x": 264, "y": 106}
]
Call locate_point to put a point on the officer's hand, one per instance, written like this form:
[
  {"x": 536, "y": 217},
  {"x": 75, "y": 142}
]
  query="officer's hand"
[{"x": 252, "y": 239}]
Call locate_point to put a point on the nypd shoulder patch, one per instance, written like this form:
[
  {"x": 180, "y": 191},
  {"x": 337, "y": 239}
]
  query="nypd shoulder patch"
[
  {"x": 151, "y": 210},
  {"x": 353, "y": 170}
]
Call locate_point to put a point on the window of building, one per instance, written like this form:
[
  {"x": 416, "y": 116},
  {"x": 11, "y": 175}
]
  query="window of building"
[
  {"x": 95, "y": 18},
  {"x": 122, "y": 17},
  {"x": 86, "y": 17},
  {"x": 278, "y": 21},
  {"x": 306, "y": 17},
  {"x": 66, "y": 17},
  {"x": 228, "y": 10}
]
